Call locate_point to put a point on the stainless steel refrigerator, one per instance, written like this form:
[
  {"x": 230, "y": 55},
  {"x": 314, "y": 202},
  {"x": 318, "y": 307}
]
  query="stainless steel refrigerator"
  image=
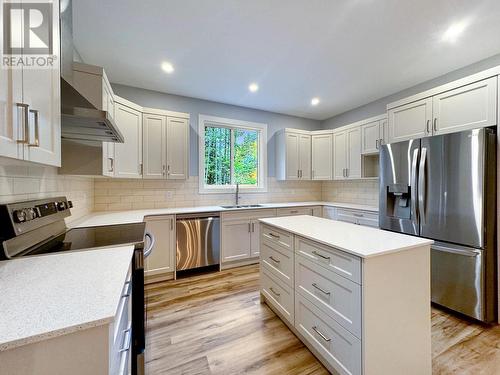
[{"x": 444, "y": 188}]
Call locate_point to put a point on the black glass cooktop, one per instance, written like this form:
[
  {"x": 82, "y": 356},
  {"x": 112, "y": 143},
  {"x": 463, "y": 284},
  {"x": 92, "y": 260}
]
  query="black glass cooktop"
[{"x": 91, "y": 237}]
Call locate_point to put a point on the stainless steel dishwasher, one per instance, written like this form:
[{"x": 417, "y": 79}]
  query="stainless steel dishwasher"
[{"x": 198, "y": 240}]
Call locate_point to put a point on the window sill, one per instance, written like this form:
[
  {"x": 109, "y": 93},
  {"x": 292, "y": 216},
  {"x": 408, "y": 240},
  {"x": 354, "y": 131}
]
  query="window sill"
[{"x": 232, "y": 190}]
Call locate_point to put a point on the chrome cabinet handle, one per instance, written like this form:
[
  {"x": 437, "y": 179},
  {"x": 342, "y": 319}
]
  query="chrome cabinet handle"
[
  {"x": 274, "y": 259},
  {"x": 427, "y": 126},
  {"x": 376, "y": 143},
  {"x": 274, "y": 235},
  {"x": 111, "y": 165},
  {"x": 141, "y": 169},
  {"x": 274, "y": 292},
  {"x": 320, "y": 289},
  {"x": 253, "y": 227},
  {"x": 320, "y": 255},
  {"x": 127, "y": 344},
  {"x": 435, "y": 124},
  {"x": 164, "y": 169},
  {"x": 171, "y": 224},
  {"x": 357, "y": 215},
  {"x": 26, "y": 130},
  {"x": 298, "y": 173},
  {"x": 168, "y": 170},
  {"x": 249, "y": 228},
  {"x": 321, "y": 334},
  {"x": 294, "y": 212},
  {"x": 37, "y": 129}
]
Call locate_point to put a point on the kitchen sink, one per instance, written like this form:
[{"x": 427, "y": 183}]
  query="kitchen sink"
[{"x": 243, "y": 206}]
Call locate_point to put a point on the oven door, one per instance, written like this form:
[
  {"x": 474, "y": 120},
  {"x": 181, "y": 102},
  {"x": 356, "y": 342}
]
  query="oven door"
[{"x": 139, "y": 304}]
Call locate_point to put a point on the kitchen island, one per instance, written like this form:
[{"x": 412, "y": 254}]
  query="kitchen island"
[{"x": 358, "y": 297}]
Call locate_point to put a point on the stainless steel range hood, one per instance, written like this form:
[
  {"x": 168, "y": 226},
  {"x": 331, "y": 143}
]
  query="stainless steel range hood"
[{"x": 80, "y": 119}]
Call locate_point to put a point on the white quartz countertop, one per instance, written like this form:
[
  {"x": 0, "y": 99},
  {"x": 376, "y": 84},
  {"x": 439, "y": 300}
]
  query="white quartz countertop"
[
  {"x": 53, "y": 295},
  {"x": 359, "y": 240},
  {"x": 137, "y": 216}
]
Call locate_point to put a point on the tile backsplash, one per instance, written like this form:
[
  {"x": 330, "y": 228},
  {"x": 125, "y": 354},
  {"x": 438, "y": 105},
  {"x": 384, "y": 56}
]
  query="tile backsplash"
[
  {"x": 355, "y": 191},
  {"x": 120, "y": 194},
  {"x": 24, "y": 181}
]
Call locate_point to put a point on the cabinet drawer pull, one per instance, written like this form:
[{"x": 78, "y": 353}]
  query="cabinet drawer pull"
[
  {"x": 274, "y": 235},
  {"x": 320, "y": 289},
  {"x": 358, "y": 215},
  {"x": 320, "y": 334},
  {"x": 320, "y": 255},
  {"x": 274, "y": 259},
  {"x": 274, "y": 292},
  {"x": 127, "y": 344},
  {"x": 294, "y": 212}
]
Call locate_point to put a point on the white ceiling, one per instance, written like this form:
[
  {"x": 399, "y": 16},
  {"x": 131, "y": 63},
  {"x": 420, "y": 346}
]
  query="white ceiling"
[{"x": 346, "y": 52}]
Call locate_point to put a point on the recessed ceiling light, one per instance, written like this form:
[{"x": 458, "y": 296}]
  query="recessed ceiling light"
[
  {"x": 167, "y": 67},
  {"x": 253, "y": 87},
  {"x": 454, "y": 31},
  {"x": 314, "y": 101}
]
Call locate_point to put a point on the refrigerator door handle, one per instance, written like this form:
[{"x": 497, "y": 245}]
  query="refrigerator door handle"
[
  {"x": 459, "y": 251},
  {"x": 413, "y": 183},
  {"x": 421, "y": 185}
]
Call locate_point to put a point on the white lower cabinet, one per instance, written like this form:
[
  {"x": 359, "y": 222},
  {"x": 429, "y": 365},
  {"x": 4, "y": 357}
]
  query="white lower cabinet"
[
  {"x": 359, "y": 217},
  {"x": 240, "y": 236},
  {"x": 344, "y": 308},
  {"x": 293, "y": 211},
  {"x": 160, "y": 264}
]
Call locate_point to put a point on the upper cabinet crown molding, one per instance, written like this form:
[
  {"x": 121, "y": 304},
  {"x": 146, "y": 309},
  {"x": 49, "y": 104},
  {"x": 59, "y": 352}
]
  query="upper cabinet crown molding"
[{"x": 164, "y": 112}]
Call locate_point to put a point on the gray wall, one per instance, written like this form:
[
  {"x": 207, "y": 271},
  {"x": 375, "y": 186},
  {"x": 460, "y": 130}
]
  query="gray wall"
[
  {"x": 379, "y": 107},
  {"x": 275, "y": 121}
]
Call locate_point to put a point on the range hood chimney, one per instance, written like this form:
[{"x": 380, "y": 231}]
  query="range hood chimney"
[{"x": 80, "y": 120}]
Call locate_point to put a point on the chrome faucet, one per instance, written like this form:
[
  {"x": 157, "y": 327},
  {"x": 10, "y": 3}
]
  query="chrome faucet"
[{"x": 237, "y": 194}]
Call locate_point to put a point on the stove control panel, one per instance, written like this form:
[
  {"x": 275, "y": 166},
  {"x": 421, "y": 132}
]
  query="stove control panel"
[{"x": 29, "y": 215}]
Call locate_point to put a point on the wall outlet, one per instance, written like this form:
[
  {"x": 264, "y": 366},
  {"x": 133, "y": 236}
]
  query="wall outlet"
[{"x": 169, "y": 194}]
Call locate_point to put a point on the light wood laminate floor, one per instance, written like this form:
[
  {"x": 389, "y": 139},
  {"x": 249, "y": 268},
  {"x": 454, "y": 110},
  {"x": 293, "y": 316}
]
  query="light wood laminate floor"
[{"x": 215, "y": 324}]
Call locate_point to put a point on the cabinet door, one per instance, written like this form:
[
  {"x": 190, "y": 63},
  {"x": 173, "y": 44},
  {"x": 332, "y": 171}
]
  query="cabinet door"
[
  {"x": 322, "y": 157},
  {"x": 254, "y": 238},
  {"x": 305, "y": 156},
  {"x": 410, "y": 121},
  {"x": 177, "y": 148},
  {"x": 11, "y": 111},
  {"x": 292, "y": 156},
  {"x": 469, "y": 107},
  {"x": 128, "y": 155},
  {"x": 108, "y": 148},
  {"x": 370, "y": 137},
  {"x": 154, "y": 154},
  {"x": 354, "y": 153},
  {"x": 384, "y": 132},
  {"x": 236, "y": 240},
  {"x": 330, "y": 213},
  {"x": 41, "y": 91},
  {"x": 162, "y": 258},
  {"x": 339, "y": 155}
]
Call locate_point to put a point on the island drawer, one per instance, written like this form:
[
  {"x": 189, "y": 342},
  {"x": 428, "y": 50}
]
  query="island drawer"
[
  {"x": 338, "y": 261},
  {"x": 278, "y": 295},
  {"x": 277, "y": 237},
  {"x": 340, "y": 348},
  {"x": 335, "y": 295},
  {"x": 279, "y": 262}
]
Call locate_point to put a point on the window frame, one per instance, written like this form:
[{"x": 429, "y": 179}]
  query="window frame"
[{"x": 261, "y": 187}]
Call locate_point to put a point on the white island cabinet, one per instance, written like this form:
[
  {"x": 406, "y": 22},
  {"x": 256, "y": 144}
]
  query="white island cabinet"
[{"x": 358, "y": 297}]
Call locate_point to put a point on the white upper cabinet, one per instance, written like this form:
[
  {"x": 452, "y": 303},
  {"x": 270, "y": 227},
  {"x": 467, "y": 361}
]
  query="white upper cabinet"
[
  {"x": 305, "y": 156},
  {"x": 128, "y": 155},
  {"x": 322, "y": 157},
  {"x": 371, "y": 137},
  {"x": 410, "y": 121},
  {"x": 155, "y": 148},
  {"x": 177, "y": 136},
  {"x": 30, "y": 102},
  {"x": 468, "y": 107},
  {"x": 339, "y": 155},
  {"x": 354, "y": 152},
  {"x": 293, "y": 155}
]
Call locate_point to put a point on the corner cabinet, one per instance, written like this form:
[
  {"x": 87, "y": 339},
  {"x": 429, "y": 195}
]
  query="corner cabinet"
[
  {"x": 128, "y": 155},
  {"x": 160, "y": 264},
  {"x": 30, "y": 102},
  {"x": 293, "y": 154},
  {"x": 322, "y": 155},
  {"x": 470, "y": 106}
]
